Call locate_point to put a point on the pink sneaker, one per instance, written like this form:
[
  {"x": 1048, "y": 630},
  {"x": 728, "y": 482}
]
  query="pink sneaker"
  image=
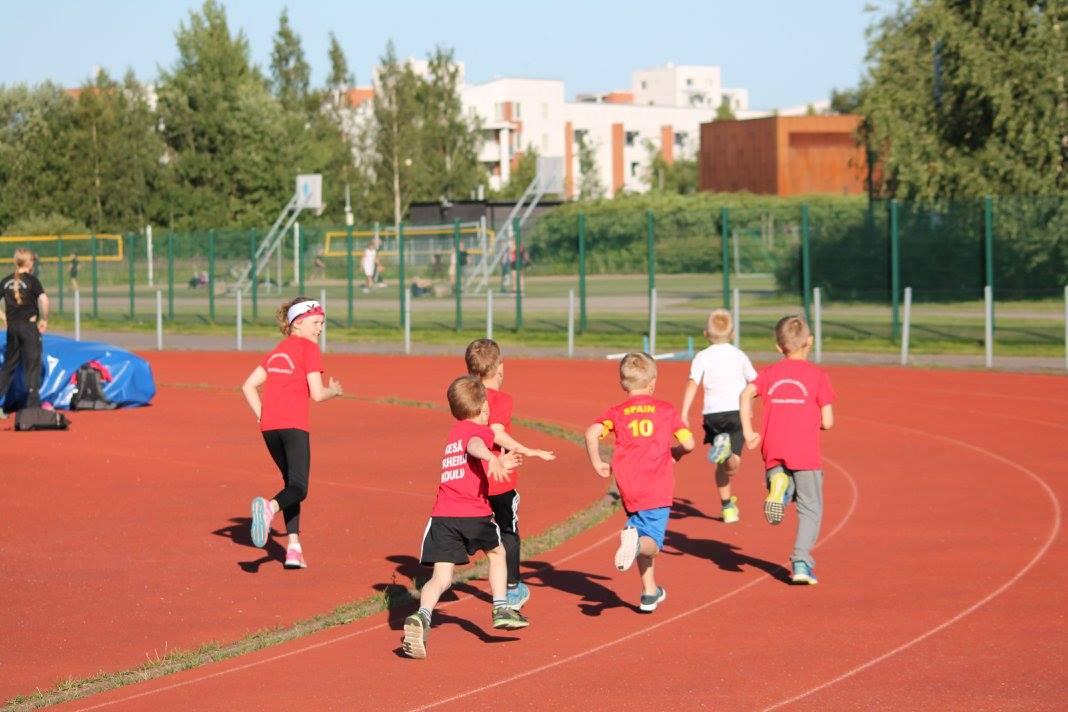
[{"x": 295, "y": 559}]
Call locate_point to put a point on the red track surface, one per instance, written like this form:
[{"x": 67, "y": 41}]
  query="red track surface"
[{"x": 942, "y": 565}]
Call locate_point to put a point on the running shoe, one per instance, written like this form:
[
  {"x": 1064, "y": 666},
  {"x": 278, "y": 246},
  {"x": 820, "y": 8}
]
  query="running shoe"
[
  {"x": 775, "y": 502},
  {"x": 730, "y": 512},
  {"x": 505, "y": 617},
  {"x": 628, "y": 548},
  {"x": 295, "y": 559},
  {"x": 649, "y": 602},
  {"x": 803, "y": 573},
  {"x": 261, "y": 521},
  {"x": 415, "y": 635},
  {"x": 518, "y": 596},
  {"x": 721, "y": 449}
]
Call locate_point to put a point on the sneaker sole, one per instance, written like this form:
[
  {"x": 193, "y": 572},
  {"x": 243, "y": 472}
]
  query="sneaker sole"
[
  {"x": 628, "y": 548},
  {"x": 804, "y": 579},
  {"x": 720, "y": 452},
  {"x": 773, "y": 505},
  {"x": 259, "y": 531},
  {"x": 510, "y": 624},
  {"x": 294, "y": 566},
  {"x": 414, "y": 644},
  {"x": 650, "y": 607},
  {"x": 730, "y": 519}
]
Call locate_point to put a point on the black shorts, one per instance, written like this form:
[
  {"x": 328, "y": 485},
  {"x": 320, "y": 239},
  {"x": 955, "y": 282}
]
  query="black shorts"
[
  {"x": 505, "y": 508},
  {"x": 454, "y": 539},
  {"x": 729, "y": 422}
]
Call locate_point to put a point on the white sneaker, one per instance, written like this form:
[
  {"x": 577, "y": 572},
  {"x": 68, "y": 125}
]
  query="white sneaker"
[{"x": 628, "y": 548}]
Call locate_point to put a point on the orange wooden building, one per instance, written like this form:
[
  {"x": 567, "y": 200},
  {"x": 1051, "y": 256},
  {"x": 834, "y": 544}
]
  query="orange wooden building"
[{"x": 783, "y": 155}]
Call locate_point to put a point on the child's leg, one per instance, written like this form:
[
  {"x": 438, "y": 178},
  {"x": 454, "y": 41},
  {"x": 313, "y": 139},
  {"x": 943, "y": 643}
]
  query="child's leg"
[
  {"x": 647, "y": 550},
  {"x": 298, "y": 464},
  {"x": 505, "y": 508},
  {"x": 809, "y": 484},
  {"x": 724, "y": 472},
  {"x": 438, "y": 584},
  {"x": 498, "y": 575}
]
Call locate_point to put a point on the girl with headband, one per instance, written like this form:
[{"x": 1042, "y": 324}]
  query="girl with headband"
[{"x": 290, "y": 374}]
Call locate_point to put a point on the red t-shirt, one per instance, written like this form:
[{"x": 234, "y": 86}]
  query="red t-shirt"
[
  {"x": 646, "y": 429},
  {"x": 500, "y": 411},
  {"x": 285, "y": 394},
  {"x": 793, "y": 391},
  {"x": 463, "y": 488}
]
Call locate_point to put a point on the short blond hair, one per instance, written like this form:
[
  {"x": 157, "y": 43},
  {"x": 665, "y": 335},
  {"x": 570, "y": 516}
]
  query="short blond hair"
[
  {"x": 792, "y": 333},
  {"x": 483, "y": 356},
  {"x": 720, "y": 326},
  {"x": 466, "y": 396},
  {"x": 636, "y": 370}
]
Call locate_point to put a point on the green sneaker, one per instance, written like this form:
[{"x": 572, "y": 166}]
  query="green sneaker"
[
  {"x": 730, "y": 512},
  {"x": 415, "y": 634},
  {"x": 775, "y": 502},
  {"x": 509, "y": 618}
]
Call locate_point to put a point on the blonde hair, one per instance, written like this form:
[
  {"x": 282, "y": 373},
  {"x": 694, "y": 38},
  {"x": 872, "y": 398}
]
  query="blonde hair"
[
  {"x": 791, "y": 333},
  {"x": 22, "y": 257},
  {"x": 483, "y": 356},
  {"x": 282, "y": 315},
  {"x": 466, "y": 395},
  {"x": 720, "y": 326},
  {"x": 636, "y": 370}
]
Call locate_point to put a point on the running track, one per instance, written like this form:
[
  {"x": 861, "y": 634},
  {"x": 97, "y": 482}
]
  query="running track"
[{"x": 942, "y": 569}]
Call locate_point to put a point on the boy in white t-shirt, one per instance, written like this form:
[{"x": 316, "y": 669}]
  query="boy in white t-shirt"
[
  {"x": 725, "y": 371},
  {"x": 370, "y": 264}
]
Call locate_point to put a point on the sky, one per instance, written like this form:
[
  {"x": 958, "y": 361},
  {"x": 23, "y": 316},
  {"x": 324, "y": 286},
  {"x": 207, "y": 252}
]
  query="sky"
[{"x": 786, "y": 53}]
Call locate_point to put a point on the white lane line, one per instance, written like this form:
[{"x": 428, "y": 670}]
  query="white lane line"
[
  {"x": 655, "y": 626},
  {"x": 1054, "y": 531}
]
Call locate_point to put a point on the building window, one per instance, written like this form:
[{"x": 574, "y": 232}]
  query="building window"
[
  {"x": 634, "y": 165},
  {"x": 689, "y": 82},
  {"x": 498, "y": 111},
  {"x": 680, "y": 138},
  {"x": 518, "y": 113},
  {"x": 631, "y": 138},
  {"x": 580, "y": 134},
  {"x": 643, "y": 84}
]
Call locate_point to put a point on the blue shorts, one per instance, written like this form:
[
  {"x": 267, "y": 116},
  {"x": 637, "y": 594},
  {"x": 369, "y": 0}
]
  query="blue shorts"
[{"x": 651, "y": 523}]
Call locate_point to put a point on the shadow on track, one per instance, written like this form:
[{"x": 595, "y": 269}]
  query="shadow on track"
[{"x": 238, "y": 531}]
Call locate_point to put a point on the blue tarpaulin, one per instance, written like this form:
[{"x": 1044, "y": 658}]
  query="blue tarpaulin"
[{"x": 131, "y": 381}]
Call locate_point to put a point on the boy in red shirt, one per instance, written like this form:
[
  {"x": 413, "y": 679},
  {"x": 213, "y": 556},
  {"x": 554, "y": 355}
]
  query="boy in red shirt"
[
  {"x": 483, "y": 358},
  {"x": 797, "y": 404},
  {"x": 650, "y": 437},
  {"x": 461, "y": 522}
]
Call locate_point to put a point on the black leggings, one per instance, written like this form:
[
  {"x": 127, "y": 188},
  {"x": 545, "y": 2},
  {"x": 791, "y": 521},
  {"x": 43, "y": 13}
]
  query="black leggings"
[
  {"x": 291, "y": 450},
  {"x": 505, "y": 508},
  {"x": 23, "y": 346}
]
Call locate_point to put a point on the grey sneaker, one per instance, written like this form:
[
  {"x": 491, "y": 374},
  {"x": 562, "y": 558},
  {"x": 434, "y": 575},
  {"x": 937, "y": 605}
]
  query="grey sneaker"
[
  {"x": 415, "y": 634},
  {"x": 505, "y": 617},
  {"x": 721, "y": 449},
  {"x": 628, "y": 548},
  {"x": 649, "y": 603}
]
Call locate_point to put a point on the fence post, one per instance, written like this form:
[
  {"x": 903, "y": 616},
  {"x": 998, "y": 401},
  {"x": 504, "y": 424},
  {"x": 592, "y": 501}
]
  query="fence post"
[
  {"x": 77, "y": 315},
  {"x": 988, "y": 331},
  {"x": 322, "y": 334},
  {"x": 906, "y": 327},
  {"x": 489, "y": 313},
  {"x": 895, "y": 271},
  {"x": 818, "y": 309},
  {"x": 255, "y": 287},
  {"x": 806, "y": 264},
  {"x": 582, "y": 270},
  {"x": 59, "y": 270},
  {"x": 458, "y": 273},
  {"x": 211, "y": 275},
  {"x": 93, "y": 251},
  {"x": 400, "y": 269},
  {"x": 170, "y": 276},
  {"x": 652, "y": 322},
  {"x": 239, "y": 327},
  {"x": 518, "y": 281},
  {"x": 407, "y": 314},
  {"x": 725, "y": 231},
  {"x": 298, "y": 254},
  {"x": 148, "y": 248},
  {"x": 571, "y": 323},
  {"x": 348, "y": 274},
  {"x": 988, "y": 251},
  {"x": 737, "y": 309},
  {"x": 650, "y": 247},
  {"x": 159, "y": 319},
  {"x": 130, "y": 259}
]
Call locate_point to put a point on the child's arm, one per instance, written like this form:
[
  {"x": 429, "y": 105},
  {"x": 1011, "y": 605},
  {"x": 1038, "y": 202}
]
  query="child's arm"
[
  {"x": 498, "y": 466},
  {"x": 318, "y": 392},
  {"x": 745, "y": 413},
  {"x": 507, "y": 442},
  {"x": 252, "y": 395},
  {"x": 687, "y": 401},
  {"x": 827, "y": 417},
  {"x": 593, "y": 436},
  {"x": 684, "y": 446}
]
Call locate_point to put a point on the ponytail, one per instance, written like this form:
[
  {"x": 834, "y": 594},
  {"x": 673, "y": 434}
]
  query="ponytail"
[{"x": 22, "y": 258}]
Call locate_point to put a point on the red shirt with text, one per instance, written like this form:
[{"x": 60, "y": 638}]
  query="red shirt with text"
[
  {"x": 500, "y": 411},
  {"x": 462, "y": 491},
  {"x": 285, "y": 393},
  {"x": 793, "y": 391}
]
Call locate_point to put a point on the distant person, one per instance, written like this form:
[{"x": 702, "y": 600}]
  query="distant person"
[
  {"x": 73, "y": 274},
  {"x": 797, "y": 405},
  {"x": 26, "y": 314},
  {"x": 371, "y": 265},
  {"x": 290, "y": 374},
  {"x": 723, "y": 370},
  {"x": 320, "y": 263}
]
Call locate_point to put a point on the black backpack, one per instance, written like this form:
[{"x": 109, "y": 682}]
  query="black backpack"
[
  {"x": 88, "y": 391},
  {"x": 40, "y": 419}
]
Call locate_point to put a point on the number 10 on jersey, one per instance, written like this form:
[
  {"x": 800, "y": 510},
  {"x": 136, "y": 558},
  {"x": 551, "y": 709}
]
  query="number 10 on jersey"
[{"x": 642, "y": 428}]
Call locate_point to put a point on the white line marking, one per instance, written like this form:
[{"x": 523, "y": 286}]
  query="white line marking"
[
  {"x": 1055, "y": 529},
  {"x": 655, "y": 626}
]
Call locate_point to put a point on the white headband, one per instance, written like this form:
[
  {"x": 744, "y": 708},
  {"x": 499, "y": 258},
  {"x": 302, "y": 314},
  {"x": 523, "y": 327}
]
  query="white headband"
[{"x": 302, "y": 308}]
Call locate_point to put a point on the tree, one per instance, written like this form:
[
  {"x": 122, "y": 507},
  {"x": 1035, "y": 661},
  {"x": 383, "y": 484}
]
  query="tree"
[
  {"x": 339, "y": 78},
  {"x": 450, "y": 139},
  {"x": 847, "y": 101},
  {"x": 396, "y": 138},
  {"x": 678, "y": 176},
  {"x": 290, "y": 73},
  {"x": 521, "y": 177},
  {"x": 967, "y": 99},
  {"x": 590, "y": 186},
  {"x": 724, "y": 111}
]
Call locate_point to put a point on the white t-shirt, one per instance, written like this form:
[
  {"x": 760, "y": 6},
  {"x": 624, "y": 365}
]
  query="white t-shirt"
[
  {"x": 724, "y": 370},
  {"x": 368, "y": 261}
]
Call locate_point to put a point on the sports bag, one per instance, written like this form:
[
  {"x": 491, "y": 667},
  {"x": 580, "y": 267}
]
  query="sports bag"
[
  {"x": 88, "y": 391},
  {"x": 40, "y": 419}
]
